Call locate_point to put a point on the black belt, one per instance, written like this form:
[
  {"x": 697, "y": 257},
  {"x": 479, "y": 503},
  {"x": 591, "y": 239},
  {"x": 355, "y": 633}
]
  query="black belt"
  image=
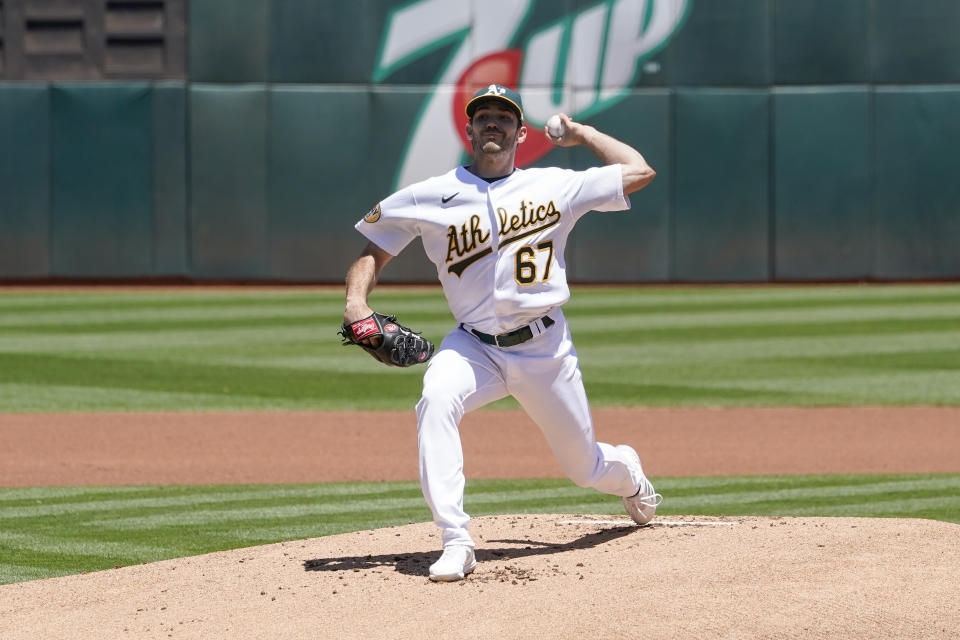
[{"x": 511, "y": 338}]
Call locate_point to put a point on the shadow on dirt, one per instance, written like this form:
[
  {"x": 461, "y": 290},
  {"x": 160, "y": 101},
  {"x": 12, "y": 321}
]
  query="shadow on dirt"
[{"x": 417, "y": 564}]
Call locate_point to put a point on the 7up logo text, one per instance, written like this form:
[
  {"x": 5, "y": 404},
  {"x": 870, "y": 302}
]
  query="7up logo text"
[{"x": 580, "y": 64}]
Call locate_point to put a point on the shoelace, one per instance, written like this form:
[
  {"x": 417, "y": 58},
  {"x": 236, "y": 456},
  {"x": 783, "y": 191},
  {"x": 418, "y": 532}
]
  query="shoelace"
[
  {"x": 656, "y": 500},
  {"x": 655, "y": 497}
]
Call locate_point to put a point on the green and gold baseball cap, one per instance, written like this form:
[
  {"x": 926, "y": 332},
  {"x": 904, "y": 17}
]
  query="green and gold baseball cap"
[{"x": 497, "y": 92}]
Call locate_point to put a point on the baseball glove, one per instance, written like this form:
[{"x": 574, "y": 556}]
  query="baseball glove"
[{"x": 398, "y": 346}]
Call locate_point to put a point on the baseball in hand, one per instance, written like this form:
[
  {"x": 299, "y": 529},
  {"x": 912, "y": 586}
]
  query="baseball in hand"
[{"x": 555, "y": 126}]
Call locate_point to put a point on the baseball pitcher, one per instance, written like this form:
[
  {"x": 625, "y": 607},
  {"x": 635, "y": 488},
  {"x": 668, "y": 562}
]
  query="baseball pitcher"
[{"x": 497, "y": 235}]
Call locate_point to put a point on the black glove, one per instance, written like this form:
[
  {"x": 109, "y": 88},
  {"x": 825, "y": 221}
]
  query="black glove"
[{"x": 397, "y": 345}]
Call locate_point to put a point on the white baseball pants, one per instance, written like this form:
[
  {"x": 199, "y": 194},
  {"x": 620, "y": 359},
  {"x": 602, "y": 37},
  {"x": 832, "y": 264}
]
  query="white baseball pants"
[{"x": 544, "y": 376}]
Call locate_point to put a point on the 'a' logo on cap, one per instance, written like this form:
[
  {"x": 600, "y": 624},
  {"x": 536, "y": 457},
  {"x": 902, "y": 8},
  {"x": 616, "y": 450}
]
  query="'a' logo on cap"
[{"x": 496, "y": 90}]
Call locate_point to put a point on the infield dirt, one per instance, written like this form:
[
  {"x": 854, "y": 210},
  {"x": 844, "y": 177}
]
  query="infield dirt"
[
  {"x": 199, "y": 448},
  {"x": 539, "y": 576}
]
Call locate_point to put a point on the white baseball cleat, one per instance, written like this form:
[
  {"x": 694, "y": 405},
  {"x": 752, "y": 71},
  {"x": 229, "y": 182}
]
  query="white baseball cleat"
[
  {"x": 457, "y": 562},
  {"x": 643, "y": 504}
]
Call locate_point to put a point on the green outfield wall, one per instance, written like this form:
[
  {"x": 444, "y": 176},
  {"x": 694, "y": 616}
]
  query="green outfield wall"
[{"x": 793, "y": 139}]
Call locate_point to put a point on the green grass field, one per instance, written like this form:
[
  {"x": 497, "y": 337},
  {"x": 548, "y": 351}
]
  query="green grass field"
[
  {"x": 59, "y": 531},
  {"x": 262, "y": 349}
]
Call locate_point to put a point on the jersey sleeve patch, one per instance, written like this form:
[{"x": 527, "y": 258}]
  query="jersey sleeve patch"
[{"x": 373, "y": 215}]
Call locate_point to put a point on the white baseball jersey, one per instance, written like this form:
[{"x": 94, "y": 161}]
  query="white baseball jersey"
[{"x": 498, "y": 247}]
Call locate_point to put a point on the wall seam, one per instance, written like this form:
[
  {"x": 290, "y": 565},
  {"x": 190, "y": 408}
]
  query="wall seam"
[{"x": 771, "y": 151}]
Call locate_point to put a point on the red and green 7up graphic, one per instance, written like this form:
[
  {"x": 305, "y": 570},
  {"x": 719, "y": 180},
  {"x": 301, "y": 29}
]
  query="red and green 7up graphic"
[{"x": 580, "y": 64}]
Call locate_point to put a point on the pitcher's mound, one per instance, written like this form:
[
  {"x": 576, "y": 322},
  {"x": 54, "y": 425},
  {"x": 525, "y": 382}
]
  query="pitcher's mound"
[{"x": 539, "y": 576}]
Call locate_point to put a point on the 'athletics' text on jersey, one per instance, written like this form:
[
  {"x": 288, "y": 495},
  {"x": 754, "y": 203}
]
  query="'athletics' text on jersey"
[{"x": 498, "y": 247}]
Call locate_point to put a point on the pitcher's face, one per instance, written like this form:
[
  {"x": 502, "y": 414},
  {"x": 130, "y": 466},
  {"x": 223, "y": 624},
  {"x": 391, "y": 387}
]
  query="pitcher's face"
[{"x": 495, "y": 129}]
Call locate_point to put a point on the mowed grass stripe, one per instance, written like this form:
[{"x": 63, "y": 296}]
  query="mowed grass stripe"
[
  {"x": 217, "y": 340},
  {"x": 315, "y": 336},
  {"x": 695, "y": 485},
  {"x": 650, "y": 351},
  {"x": 314, "y": 396},
  {"x": 231, "y": 511},
  {"x": 95, "y": 315},
  {"x": 255, "y": 504},
  {"x": 592, "y": 335},
  {"x": 344, "y": 498},
  {"x": 714, "y": 307},
  {"x": 61, "y": 308},
  {"x": 118, "y": 307},
  {"x": 69, "y": 495},
  {"x": 248, "y": 317},
  {"x": 902, "y": 505},
  {"x": 26, "y": 398},
  {"x": 830, "y": 317},
  {"x": 259, "y": 513},
  {"x": 219, "y": 501},
  {"x": 744, "y": 488},
  {"x": 719, "y": 346},
  {"x": 56, "y": 563},
  {"x": 233, "y": 384},
  {"x": 588, "y": 298},
  {"x": 153, "y": 523},
  {"x": 767, "y": 348},
  {"x": 840, "y": 496},
  {"x": 11, "y": 572},
  {"x": 80, "y": 547},
  {"x": 934, "y": 389},
  {"x": 80, "y": 300},
  {"x": 13, "y": 496}
]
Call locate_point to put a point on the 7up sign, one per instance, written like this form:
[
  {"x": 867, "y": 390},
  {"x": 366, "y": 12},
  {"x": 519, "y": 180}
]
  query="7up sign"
[{"x": 580, "y": 64}]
